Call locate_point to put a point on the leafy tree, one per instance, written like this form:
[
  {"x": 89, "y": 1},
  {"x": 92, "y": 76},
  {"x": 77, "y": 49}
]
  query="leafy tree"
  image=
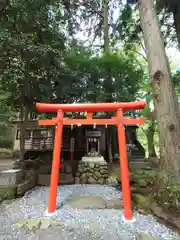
[
  {"x": 128, "y": 26},
  {"x": 41, "y": 59},
  {"x": 30, "y": 53},
  {"x": 171, "y": 9},
  {"x": 176, "y": 80},
  {"x": 6, "y": 115}
]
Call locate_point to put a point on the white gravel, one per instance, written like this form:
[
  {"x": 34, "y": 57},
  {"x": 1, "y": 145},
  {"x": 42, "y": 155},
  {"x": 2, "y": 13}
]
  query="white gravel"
[{"x": 77, "y": 224}]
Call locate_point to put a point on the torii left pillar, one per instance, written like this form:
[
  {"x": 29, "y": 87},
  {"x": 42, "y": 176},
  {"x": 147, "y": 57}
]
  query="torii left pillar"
[{"x": 56, "y": 162}]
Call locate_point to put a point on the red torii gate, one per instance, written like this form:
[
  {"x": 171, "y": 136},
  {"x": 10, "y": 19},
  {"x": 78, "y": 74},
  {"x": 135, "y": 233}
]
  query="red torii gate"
[{"x": 119, "y": 120}]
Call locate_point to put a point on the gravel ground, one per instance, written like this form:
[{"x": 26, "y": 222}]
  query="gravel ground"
[{"x": 76, "y": 224}]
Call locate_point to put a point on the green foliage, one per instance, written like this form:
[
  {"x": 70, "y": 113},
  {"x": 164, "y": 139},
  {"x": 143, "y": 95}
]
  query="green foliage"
[
  {"x": 6, "y": 143},
  {"x": 5, "y": 126},
  {"x": 170, "y": 196},
  {"x": 166, "y": 10},
  {"x": 8, "y": 153},
  {"x": 37, "y": 64},
  {"x": 40, "y": 61},
  {"x": 128, "y": 24},
  {"x": 92, "y": 70},
  {"x": 30, "y": 50},
  {"x": 176, "y": 80}
]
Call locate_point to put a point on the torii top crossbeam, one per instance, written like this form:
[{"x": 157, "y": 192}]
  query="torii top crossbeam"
[{"x": 90, "y": 107}]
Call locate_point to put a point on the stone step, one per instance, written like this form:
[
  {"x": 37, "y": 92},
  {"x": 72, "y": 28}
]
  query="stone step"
[
  {"x": 137, "y": 160},
  {"x": 139, "y": 165},
  {"x": 136, "y": 151},
  {"x": 137, "y": 156}
]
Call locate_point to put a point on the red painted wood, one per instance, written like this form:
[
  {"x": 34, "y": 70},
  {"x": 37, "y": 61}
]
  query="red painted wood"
[{"x": 90, "y": 107}]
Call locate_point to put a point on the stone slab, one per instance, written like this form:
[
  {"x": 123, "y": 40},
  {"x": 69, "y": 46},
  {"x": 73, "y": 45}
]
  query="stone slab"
[
  {"x": 96, "y": 159},
  {"x": 87, "y": 202},
  {"x": 94, "y": 202},
  {"x": 114, "y": 204},
  {"x": 11, "y": 177},
  {"x": 145, "y": 236},
  {"x": 34, "y": 224}
]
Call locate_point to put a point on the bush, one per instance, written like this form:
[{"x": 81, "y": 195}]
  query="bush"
[
  {"x": 8, "y": 153},
  {"x": 6, "y": 143},
  {"x": 170, "y": 196}
]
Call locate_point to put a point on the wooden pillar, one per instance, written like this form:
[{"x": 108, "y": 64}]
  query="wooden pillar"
[
  {"x": 56, "y": 163},
  {"x": 126, "y": 193}
]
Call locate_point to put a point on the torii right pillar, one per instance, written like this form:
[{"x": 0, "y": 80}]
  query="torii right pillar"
[{"x": 124, "y": 169}]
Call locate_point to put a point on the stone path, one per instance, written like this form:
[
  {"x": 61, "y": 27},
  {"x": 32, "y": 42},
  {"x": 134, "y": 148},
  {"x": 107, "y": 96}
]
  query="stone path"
[{"x": 75, "y": 223}]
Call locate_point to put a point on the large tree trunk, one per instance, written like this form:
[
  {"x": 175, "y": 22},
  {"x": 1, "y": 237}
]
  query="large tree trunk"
[
  {"x": 108, "y": 83},
  {"x": 150, "y": 139},
  {"x": 164, "y": 96},
  {"x": 108, "y": 87},
  {"x": 22, "y": 132},
  {"x": 176, "y": 16},
  {"x": 106, "y": 27}
]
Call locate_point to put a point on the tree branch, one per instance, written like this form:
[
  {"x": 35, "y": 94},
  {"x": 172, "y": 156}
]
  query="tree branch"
[
  {"x": 140, "y": 55},
  {"x": 143, "y": 47},
  {"x": 94, "y": 10},
  {"x": 2, "y": 10}
]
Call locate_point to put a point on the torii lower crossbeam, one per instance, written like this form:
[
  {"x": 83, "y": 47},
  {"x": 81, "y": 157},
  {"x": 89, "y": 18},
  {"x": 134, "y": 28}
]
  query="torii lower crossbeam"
[{"x": 119, "y": 120}]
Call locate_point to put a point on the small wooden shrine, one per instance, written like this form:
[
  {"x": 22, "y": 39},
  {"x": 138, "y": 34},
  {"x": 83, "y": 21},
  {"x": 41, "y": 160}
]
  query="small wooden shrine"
[{"x": 77, "y": 141}]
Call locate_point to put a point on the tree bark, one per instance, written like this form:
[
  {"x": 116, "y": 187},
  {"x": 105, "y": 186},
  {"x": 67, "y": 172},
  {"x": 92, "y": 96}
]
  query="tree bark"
[
  {"x": 22, "y": 133},
  {"x": 176, "y": 16},
  {"x": 106, "y": 27},
  {"x": 164, "y": 96},
  {"x": 150, "y": 139},
  {"x": 108, "y": 87},
  {"x": 108, "y": 84}
]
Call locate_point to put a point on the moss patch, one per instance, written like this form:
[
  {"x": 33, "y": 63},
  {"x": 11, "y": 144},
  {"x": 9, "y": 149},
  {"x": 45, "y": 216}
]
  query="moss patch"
[
  {"x": 141, "y": 200},
  {"x": 8, "y": 192},
  {"x": 34, "y": 224},
  {"x": 145, "y": 177}
]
